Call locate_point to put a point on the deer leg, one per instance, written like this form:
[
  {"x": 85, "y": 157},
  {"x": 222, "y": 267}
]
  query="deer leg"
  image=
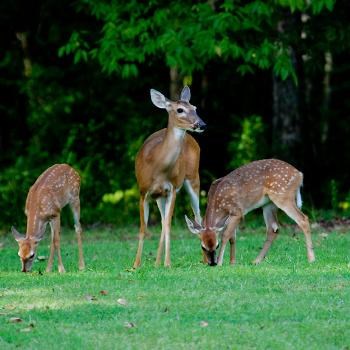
[
  {"x": 52, "y": 250},
  {"x": 169, "y": 210},
  {"x": 228, "y": 233},
  {"x": 270, "y": 217},
  {"x": 161, "y": 207},
  {"x": 75, "y": 207},
  {"x": 192, "y": 188},
  {"x": 288, "y": 205},
  {"x": 205, "y": 258},
  {"x": 233, "y": 249},
  {"x": 56, "y": 226},
  {"x": 144, "y": 212}
]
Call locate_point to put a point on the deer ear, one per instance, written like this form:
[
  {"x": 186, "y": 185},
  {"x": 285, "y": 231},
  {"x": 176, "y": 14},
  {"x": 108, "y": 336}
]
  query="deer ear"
[
  {"x": 158, "y": 99},
  {"x": 185, "y": 94},
  {"x": 222, "y": 224},
  {"x": 18, "y": 237},
  {"x": 193, "y": 226}
]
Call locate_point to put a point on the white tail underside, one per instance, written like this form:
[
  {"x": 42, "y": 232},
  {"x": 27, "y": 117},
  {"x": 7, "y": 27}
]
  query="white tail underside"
[{"x": 299, "y": 200}]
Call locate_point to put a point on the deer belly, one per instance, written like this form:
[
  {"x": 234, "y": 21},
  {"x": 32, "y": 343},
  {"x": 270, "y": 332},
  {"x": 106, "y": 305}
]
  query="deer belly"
[{"x": 261, "y": 202}]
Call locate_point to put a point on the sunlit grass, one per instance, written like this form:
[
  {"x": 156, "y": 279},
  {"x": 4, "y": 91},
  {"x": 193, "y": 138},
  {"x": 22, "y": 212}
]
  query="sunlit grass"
[{"x": 284, "y": 303}]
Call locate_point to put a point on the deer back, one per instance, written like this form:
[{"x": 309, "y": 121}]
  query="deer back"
[
  {"x": 249, "y": 187},
  {"x": 51, "y": 192}
]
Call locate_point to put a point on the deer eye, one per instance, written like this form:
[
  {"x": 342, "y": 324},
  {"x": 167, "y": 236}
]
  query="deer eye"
[{"x": 179, "y": 110}]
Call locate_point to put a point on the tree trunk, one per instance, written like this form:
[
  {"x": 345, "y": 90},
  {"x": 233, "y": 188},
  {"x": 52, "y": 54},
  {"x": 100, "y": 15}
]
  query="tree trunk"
[
  {"x": 27, "y": 63},
  {"x": 286, "y": 118},
  {"x": 286, "y": 130},
  {"x": 175, "y": 83}
]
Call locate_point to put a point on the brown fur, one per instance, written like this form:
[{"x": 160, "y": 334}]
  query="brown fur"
[
  {"x": 268, "y": 183},
  {"x": 167, "y": 159},
  {"x": 58, "y": 186}
]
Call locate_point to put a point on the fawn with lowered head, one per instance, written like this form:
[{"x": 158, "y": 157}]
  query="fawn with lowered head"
[
  {"x": 168, "y": 159},
  {"x": 268, "y": 183},
  {"x": 56, "y": 187}
]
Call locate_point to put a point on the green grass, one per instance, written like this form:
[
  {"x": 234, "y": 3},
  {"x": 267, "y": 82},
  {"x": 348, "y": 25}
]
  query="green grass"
[{"x": 284, "y": 303}]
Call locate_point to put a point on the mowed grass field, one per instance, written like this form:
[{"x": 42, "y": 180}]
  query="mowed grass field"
[{"x": 283, "y": 303}]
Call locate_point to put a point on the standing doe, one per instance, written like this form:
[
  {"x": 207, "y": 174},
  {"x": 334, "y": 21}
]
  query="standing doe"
[
  {"x": 168, "y": 159},
  {"x": 268, "y": 183},
  {"x": 56, "y": 187}
]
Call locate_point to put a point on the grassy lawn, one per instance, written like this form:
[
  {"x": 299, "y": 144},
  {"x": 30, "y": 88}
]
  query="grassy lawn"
[{"x": 284, "y": 303}]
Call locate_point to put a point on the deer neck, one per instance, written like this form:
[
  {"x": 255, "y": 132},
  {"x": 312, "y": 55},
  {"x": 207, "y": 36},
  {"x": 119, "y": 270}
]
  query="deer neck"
[
  {"x": 172, "y": 145},
  {"x": 214, "y": 217},
  {"x": 35, "y": 225},
  {"x": 217, "y": 212}
]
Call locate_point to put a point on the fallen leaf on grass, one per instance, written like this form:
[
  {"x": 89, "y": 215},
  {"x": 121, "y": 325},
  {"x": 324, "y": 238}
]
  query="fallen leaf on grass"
[
  {"x": 1, "y": 245},
  {"x": 103, "y": 292},
  {"x": 131, "y": 269},
  {"x": 203, "y": 323},
  {"x": 28, "y": 329},
  {"x": 129, "y": 325},
  {"x": 9, "y": 307},
  {"x": 15, "y": 320},
  {"x": 41, "y": 258},
  {"x": 90, "y": 297},
  {"x": 323, "y": 234},
  {"x": 122, "y": 301},
  {"x": 30, "y": 306}
]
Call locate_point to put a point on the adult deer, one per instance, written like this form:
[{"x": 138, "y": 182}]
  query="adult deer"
[
  {"x": 168, "y": 159},
  {"x": 268, "y": 183},
  {"x": 56, "y": 187}
]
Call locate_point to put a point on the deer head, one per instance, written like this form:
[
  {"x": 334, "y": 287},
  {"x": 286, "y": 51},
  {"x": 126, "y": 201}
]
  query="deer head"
[
  {"x": 208, "y": 237},
  {"x": 182, "y": 114},
  {"x": 27, "y": 249}
]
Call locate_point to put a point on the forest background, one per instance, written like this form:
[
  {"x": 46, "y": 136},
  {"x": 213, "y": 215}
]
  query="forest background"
[{"x": 270, "y": 79}]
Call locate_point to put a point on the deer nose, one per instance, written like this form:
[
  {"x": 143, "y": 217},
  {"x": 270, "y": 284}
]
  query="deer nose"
[{"x": 200, "y": 125}]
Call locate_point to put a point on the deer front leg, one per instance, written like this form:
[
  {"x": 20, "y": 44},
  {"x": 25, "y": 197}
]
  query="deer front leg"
[
  {"x": 233, "y": 249},
  {"x": 52, "y": 250},
  {"x": 228, "y": 234},
  {"x": 169, "y": 210},
  {"x": 161, "y": 207},
  {"x": 56, "y": 223}
]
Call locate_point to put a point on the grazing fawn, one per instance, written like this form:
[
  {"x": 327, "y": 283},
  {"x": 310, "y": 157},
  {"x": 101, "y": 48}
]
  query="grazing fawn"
[
  {"x": 268, "y": 183},
  {"x": 168, "y": 159},
  {"x": 56, "y": 187}
]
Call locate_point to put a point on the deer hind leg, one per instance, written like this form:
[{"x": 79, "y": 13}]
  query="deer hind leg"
[
  {"x": 75, "y": 207},
  {"x": 288, "y": 205},
  {"x": 192, "y": 188},
  {"x": 271, "y": 222},
  {"x": 55, "y": 224},
  {"x": 144, "y": 213},
  {"x": 229, "y": 234}
]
